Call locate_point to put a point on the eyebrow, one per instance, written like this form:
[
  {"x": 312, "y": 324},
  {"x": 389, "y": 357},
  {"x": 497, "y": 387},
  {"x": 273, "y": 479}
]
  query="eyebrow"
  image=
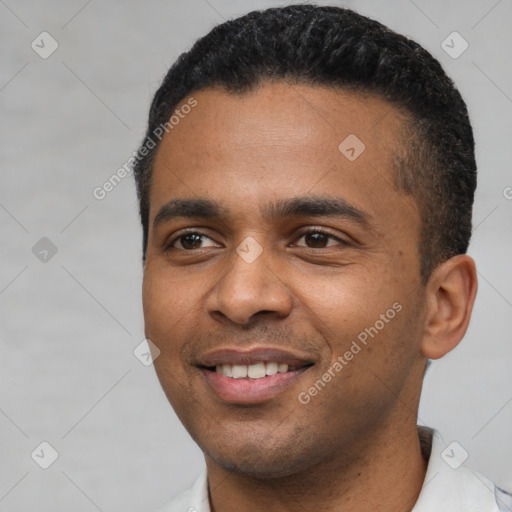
[{"x": 310, "y": 206}]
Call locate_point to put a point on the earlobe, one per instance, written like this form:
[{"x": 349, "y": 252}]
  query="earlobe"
[{"x": 451, "y": 292}]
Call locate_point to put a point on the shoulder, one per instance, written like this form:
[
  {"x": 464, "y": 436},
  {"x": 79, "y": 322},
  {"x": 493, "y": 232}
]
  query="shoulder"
[
  {"x": 194, "y": 499},
  {"x": 503, "y": 499},
  {"x": 451, "y": 485}
]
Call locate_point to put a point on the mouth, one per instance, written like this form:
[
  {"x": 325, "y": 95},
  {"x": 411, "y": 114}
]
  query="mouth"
[
  {"x": 258, "y": 370},
  {"x": 253, "y": 376}
]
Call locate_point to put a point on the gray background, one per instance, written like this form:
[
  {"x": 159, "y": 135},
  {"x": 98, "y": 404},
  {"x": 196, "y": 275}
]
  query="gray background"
[{"x": 68, "y": 326}]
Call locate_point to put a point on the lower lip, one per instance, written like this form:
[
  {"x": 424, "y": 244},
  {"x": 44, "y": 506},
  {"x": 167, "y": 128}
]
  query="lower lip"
[{"x": 248, "y": 391}]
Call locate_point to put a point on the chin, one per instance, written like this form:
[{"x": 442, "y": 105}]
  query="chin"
[
  {"x": 257, "y": 467},
  {"x": 257, "y": 460}
]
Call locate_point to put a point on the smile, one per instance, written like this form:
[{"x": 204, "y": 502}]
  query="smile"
[
  {"x": 251, "y": 376},
  {"x": 253, "y": 371}
]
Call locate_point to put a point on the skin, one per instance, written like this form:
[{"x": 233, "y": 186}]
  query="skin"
[{"x": 354, "y": 446}]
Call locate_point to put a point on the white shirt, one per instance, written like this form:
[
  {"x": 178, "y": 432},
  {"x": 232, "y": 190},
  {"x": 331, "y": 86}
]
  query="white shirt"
[{"x": 448, "y": 485}]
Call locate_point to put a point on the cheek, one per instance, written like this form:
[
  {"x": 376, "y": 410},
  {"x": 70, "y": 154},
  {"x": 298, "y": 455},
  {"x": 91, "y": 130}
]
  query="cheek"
[
  {"x": 167, "y": 318},
  {"x": 168, "y": 306},
  {"x": 362, "y": 318},
  {"x": 343, "y": 303}
]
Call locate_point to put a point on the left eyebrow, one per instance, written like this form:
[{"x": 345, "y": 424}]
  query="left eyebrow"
[
  {"x": 314, "y": 206},
  {"x": 307, "y": 206}
]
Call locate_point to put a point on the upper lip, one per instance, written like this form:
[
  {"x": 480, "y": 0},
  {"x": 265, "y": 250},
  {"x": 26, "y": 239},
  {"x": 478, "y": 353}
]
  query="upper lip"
[{"x": 232, "y": 355}]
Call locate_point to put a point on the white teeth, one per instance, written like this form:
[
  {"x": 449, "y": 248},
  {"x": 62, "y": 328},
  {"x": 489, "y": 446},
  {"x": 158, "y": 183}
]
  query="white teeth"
[
  {"x": 239, "y": 371},
  {"x": 256, "y": 371},
  {"x": 272, "y": 368},
  {"x": 253, "y": 371}
]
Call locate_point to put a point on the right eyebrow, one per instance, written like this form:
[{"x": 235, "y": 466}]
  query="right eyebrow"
[{"x": 188, "y": 208}]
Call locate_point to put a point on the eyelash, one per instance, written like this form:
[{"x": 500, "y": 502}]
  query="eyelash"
[{"x": 171, "y": 243}]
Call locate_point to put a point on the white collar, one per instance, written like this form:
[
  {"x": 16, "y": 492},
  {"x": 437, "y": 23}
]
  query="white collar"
[{"x": 447, "y": 487}]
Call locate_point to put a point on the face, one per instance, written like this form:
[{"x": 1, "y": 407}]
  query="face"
[{"x": 274, "y": 249}]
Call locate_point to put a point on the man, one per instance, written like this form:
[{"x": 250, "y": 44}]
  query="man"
[{"x": 306, "y": 210}]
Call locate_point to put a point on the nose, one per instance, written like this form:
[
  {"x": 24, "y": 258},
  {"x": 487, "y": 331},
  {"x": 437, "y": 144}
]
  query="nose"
[{"x": 249, "y": 288}]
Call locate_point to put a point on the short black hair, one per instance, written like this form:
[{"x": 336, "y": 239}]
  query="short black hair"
[{"x": 339, "y": 48}]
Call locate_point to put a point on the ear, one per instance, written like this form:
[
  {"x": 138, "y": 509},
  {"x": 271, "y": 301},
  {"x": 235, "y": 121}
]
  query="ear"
[{"x": 451, "y": 292}]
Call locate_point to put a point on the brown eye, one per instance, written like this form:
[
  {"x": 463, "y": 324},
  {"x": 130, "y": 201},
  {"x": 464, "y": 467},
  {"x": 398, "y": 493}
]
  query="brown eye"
[
  {"x": 190, "y": 241},
  {"x": 320, "y": 240},
  {"x": 316, "y": 240}
]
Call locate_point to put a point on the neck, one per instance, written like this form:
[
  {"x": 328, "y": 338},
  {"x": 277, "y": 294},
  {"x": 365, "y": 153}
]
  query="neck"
[{"x": 385, "y": 471}]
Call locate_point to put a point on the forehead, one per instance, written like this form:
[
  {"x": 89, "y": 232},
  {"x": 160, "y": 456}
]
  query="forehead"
[
  {"x": 281, "y": 140},
  {"x": 284, "y": 113}
]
